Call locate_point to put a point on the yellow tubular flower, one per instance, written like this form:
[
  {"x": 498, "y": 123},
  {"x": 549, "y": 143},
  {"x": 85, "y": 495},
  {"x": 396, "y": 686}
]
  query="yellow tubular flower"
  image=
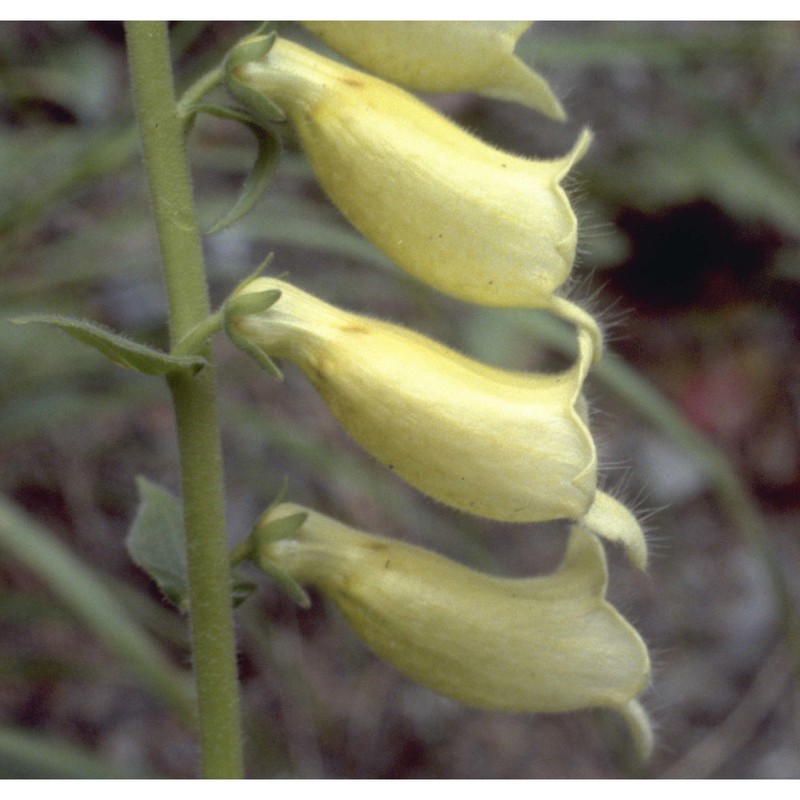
[
  {"x": 468, "y": 219},
  {"x": 543, "y": 644},
  {"x": 443, "y": 57},
  {"x": 504, "y": 445}
]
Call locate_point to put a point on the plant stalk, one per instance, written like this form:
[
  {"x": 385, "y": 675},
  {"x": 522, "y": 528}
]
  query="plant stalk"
[{"x": 194, "y": 399}]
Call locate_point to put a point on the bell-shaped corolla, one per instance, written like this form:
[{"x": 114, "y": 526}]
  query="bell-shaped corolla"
[
  {"x": 434, "y": 56},
  {"x": 543, "y": 644},
  {"x": 472, "y": 221},
  {"x": 508, "y": 446}
]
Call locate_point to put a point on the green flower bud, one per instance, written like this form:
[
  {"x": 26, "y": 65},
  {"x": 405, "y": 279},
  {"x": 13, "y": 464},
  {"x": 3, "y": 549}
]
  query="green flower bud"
[
  {"x": 443, "y": 57},
  {"x": 543, "y": 644},
  {"x": 504, "y": 445}
]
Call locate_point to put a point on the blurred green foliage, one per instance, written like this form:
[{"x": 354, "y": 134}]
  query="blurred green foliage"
[{"x": 684, "y": 113}]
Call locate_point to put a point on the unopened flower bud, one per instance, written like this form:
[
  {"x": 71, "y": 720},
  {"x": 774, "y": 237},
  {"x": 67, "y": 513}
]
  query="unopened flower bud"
[
  {"x": 505, "y": 445},
  {"x": 443, "y": 57},
  {"x": 470, "y": 220},
  {"x": 542, "y": 644}
]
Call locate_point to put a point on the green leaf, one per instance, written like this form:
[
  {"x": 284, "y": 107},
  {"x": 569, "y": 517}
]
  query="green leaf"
[
  {"x": 157, "y": 542},
  {"x": 267, "y": 157},
  {"x": 118, "y": 349}
]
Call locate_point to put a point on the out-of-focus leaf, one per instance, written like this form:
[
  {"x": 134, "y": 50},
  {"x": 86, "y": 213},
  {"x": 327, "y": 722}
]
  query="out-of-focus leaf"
[
  {"x": 24, "y": 754},
  {"x": 81, "y": 590},
  {"x": 300, "y": 223},
  {"x": 616, "y": 42},
  {"x": 118, "y": 247},
  {"x": 64, "y": 163},
  {"x": 787, "y": 264},
  {"x": 46, "y": 408},
  {"x": 680, "y": 166}
]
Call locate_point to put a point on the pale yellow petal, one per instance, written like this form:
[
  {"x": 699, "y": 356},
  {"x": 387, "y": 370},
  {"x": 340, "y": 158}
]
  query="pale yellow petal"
[
  {"x": 470, "y": 220},
  {"x": 609, "y": 518},
  {"x": 640, "y": 727},
  {"x": 550, "y": 643},
  {"x": 443, "y": 57},
  {"x": 504, "y": 445}
]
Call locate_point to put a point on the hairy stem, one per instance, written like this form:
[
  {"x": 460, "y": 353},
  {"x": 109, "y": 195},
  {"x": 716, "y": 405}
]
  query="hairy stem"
[{"x": 195, "y": 401}]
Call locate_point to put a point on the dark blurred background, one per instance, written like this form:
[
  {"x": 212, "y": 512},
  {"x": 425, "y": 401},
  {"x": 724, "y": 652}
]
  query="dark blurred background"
[{"x": 690, "y": 252}]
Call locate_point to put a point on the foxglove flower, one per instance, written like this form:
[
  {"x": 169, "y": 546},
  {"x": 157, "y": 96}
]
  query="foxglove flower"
[
  {"x": 443, "y": 57},
  {"x": 504, "y": 445},
  {"x": 542, "y": 644},
  {"x": 472, "y": 221}
]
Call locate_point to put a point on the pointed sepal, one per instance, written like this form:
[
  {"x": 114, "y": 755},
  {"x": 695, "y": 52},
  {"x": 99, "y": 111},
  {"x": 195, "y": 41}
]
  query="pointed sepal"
[
  {"x": 267, "y": 532},
  {"x": 252, "y": 49},
  {"x": 259, "y": 177},
  {"x": 241, "y": 305}
]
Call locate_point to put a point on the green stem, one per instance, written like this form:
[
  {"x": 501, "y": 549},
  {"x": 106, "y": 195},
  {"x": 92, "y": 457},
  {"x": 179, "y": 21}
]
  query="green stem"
[{"x": 194, "y": 399}]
